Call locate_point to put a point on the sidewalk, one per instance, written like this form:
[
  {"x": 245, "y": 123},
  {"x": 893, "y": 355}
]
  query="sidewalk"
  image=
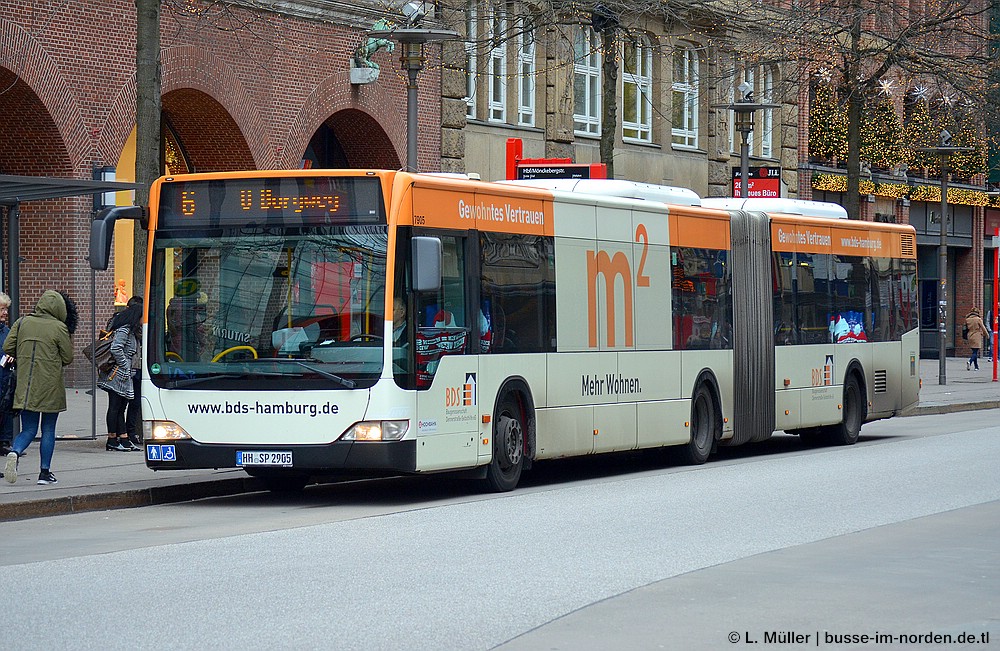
[{"x": 92, "y": 479}]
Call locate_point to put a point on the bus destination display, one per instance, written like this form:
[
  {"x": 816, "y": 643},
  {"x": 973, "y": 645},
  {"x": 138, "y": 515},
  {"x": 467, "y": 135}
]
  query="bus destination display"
[{"x": 289, "y": 201}]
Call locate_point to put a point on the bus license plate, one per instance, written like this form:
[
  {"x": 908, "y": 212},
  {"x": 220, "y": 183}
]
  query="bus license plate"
[{"x": 263, "y": 458}]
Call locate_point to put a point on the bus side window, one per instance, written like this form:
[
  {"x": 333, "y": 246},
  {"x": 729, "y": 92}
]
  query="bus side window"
[{"x": 441, "y": 321}]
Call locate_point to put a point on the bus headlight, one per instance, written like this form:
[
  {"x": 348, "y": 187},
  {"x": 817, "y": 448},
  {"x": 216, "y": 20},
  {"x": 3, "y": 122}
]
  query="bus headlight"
[
  {"x": 163, "y": 430},
  {"x": 377, "y": 430}
]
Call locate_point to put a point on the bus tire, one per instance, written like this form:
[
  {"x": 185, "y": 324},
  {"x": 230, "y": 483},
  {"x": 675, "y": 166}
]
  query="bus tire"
[
  {"x": 504, "y": 471},
  {"x": 847, "y": 431},
  {"x": 280, "y": 481},
  {"x": 705, "y": 427}
]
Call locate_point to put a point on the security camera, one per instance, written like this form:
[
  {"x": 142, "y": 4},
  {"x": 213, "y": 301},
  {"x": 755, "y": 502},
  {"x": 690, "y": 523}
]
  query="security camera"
[
  {"x": 945, "y": 138},
  {"x": 414, "y": 10},
  {"x": 746, "y": 91}
]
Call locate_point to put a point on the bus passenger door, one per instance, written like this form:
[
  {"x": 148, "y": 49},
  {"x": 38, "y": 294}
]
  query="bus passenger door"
[{"x": 447, "y": 367}]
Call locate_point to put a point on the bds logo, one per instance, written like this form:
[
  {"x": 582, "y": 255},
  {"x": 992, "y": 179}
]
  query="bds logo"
[{"x": 463, "y": 396}]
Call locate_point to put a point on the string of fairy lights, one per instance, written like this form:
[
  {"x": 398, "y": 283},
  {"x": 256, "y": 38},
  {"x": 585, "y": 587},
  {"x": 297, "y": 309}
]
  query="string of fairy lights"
[{"x": 891, "y": 142}]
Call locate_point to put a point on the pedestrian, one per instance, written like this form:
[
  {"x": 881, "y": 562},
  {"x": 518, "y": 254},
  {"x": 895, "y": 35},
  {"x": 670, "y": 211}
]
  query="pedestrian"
[
  {"x": 42, "y": 346},
  {"x": 977, "y": 330},
  {"x": 7, "y": 416},
  {"x": 118, "y": 381},
  {"x": 133, "y": 412}
]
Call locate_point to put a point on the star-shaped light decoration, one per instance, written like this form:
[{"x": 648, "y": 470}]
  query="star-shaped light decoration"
[
  {"x": 947, "y": 100},
  {"x": 921, "y": 92},
  {"x": 886, "y": 87}
]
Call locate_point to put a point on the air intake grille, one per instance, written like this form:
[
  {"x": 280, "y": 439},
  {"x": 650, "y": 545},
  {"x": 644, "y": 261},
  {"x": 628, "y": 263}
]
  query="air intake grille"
[
  {"x": 907, "y": 245},
  {"x": 880, "y": 381}
]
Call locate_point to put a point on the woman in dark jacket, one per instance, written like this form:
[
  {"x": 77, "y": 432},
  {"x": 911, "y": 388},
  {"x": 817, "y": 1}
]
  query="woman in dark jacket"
[
  {"x": 127, "y": 328},
  {"x": 42, "y": 346},
  {"x": 6, "y": 417}
]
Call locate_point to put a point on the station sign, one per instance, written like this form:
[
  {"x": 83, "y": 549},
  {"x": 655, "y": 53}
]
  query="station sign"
[
  {"x": 557, "y": 171},
  {"x": 763, "y": 182}
]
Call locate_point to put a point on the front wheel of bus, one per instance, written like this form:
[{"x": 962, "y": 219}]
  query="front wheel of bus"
[
  {"x": 504, "y": 470},
  {"x": 705, "y": 426},
  {"x": 280, "y": 481}
]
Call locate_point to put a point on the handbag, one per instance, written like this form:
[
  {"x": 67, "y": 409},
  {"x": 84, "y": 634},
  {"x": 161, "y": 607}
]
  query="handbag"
[
  {"x": 7, "y": 389},
  {"x": 965, "y": 332},
  {"x": 99, "y": 351}
]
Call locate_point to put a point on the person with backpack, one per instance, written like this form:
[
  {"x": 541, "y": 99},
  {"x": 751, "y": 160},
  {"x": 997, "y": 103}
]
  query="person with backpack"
[
  {"x": 119, "y": 380},
  {"x": 42, "y": 345},
  {"x": 976, "y": 331}
]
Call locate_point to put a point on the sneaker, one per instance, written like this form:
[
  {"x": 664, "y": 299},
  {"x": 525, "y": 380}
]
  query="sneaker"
[
  {"x": 968, "y": 366},
  {"x": 10, "y": 469},
  {"x": 116, "y": 446},
  {"x": 46, "y": 477}
]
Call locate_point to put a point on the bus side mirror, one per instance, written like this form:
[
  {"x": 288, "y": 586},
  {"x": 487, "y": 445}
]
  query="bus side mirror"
[
  {"x": 426, "y": 253},
  {"x": 100, "y": 243},
  {"x": 103, "y": 227}
]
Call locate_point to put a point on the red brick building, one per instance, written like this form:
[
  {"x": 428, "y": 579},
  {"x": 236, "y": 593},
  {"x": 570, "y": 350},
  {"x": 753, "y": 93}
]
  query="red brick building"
[{"x": 240, "y": 88}]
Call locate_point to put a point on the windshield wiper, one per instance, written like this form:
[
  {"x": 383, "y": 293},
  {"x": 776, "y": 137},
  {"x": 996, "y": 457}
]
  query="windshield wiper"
[
  {"x": 186, "y": 382},
  {"x": 344, "y": 382}
]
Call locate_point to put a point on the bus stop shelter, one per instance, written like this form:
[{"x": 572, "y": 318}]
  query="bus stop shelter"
[{"x": 15, "y": 190}]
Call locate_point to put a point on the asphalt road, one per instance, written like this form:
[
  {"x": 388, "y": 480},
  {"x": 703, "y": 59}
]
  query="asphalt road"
[{"x": 897, "y": 534}]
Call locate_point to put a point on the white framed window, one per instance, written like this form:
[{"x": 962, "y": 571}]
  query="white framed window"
[
  {"x": 497, "y": 100},
  {"x": 767, "y": 115},
  {"x": 637, "y": 90},
  {"x": 684, "y": 132},
  {"x": 526, "y": 78},
  {"x": 736, "y": 139},
  {"x": 761, "y": 139},
  {"x": 471, "y": 18},
  {"x": 586, "y": 82}
]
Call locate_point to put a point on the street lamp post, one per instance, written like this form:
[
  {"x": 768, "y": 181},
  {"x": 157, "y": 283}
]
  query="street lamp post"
[
  {"x": 944, "y": 151},
  {"x": 744, "y": 109},
  {"x": 412, "y": 38}
]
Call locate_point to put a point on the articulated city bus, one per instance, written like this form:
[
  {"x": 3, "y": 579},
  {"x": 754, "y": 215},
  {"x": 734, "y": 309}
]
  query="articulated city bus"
[{"x": 304, "y": 323}]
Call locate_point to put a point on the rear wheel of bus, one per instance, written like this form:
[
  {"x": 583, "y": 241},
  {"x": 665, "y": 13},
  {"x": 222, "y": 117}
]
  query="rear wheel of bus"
[{"x": 509, "y": 428}]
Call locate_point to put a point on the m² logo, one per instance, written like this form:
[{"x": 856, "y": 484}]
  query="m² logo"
[
  {"x": 463, "y": 396},
  {"x": 604, "y": 269}
]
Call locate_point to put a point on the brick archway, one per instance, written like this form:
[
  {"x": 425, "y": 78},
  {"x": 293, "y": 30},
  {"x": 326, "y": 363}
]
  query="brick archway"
[
  {"x": 336, "y": 103},
  {"x": 363, "y": 141},
  {"x": 30, "y": 141},
  {"x": 211, "y": 139},
  {"x": 42, "y": 132},
  {"x": 196, "y": 74}
]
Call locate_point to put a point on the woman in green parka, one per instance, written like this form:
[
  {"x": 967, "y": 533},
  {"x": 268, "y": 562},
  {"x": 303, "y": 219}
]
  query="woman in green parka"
[{"x": 41, "y": 344}]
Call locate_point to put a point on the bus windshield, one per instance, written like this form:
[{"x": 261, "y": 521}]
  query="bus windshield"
[{"x": 267, "y": 307}]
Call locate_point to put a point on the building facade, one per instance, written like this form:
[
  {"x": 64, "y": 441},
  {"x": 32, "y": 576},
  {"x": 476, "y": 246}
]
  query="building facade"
[
  {"x": 247, "y": 86},
  {"x": 242, "y": 87}
]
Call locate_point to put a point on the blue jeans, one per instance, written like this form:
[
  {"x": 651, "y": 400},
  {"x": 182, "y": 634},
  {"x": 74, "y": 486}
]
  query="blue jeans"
[
  {"x": 974, "y": 360},
  {"x": 29, "y": 427}
]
